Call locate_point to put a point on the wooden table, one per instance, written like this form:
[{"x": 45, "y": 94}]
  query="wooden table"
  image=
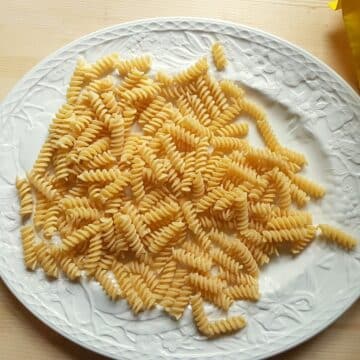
[{"x": 30, "y": 30}]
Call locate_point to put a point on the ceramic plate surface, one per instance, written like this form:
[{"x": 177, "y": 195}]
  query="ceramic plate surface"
[{"x": 311, "y": 109}]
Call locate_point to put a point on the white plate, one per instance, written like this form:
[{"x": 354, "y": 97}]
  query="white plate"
[{"x": 312, "y": 109}]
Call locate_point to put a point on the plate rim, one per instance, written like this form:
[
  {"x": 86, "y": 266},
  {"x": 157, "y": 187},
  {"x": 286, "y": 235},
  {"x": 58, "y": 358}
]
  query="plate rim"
[
  {"x": 180, "y": 19},
  {"x": 331, "y": 71}
]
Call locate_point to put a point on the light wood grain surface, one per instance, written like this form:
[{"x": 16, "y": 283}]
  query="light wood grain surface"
[{"x": 32, "y": 29}]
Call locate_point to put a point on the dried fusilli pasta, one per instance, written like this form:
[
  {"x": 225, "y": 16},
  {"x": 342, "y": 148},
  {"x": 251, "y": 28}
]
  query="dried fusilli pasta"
[
  {"x": 149, "y": 186},
  {"x": 219, "y": 57}
]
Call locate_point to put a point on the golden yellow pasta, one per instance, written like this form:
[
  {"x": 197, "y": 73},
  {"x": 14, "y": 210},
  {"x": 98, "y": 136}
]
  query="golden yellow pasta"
[
  {"x": 337, "y": 236},
  {"x": 218, "y": 53},
  {"x": 156, "y": 194},
  {"x": 142, "y": 63},
  {"x": 25, "y": 195}
]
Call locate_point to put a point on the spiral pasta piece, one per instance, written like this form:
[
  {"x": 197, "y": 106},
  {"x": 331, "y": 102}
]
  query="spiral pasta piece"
[
  {"x": 219, "y": 57},
  {"x": 141, "y": 63},
  {"x": 283, "y": 186},
  {"x": 201, "y": 155},
  {"x": 136, "y": 179},
  {"x": 204, "y": 283},
  {"x": 228, "y": 199},
  {"x": 144, "y": 293},
  {"x": 225, "y": 261},
  {"x": 76, "y": 82},
  {"x": 99, "y": 146},
  {"x": 69, "y": 202},
  {"x": 197, "y": 109},
  {"x": 172, "y": 153},
  {"x": 192, "y": 73},
  {"x": 111, "y": 190},
  {"x": 82, "y": 213},
  {"x": 298, "y": 196},
  {"x": 179, "y": 305},
  {"x": 97, "y": 86},
  {"x": 294, "y": 234},
  {"x": 192, "y": 124},
  {"x": 228, "y": 325},
  {"x": 154, "y": 107},
  {"x": 299, "y": 246},
  {"x": 110, "y": 102},
  {"x": 61, "y": 123},
  {"x": 198, "y": 312},
  {"x": 165, "y": 210},
  {"x": 140, "y": 94},
  {"x": 79, "y": 236},
  {"x": 161, "y": 238},
  {"x": 189, "y": 172},
  {"x": 288, "y": 222},
  {"x": 216, "y": 92},
  {"x": 244, "y": 255},
  {"x": 243, "y": 172},
  {"x": 69, "y": 267},
  {"x": 25, "y": 195},
  {"x": 229, "y": 115},
  {"x": 110, "y": 287},
  {"x": 295, "y": 157},
  {"x": 50, "y": 221},
  {"x": 198, "y": 263},
  {"x": 104, "y": 160},
  {"x": 337, "y": 236},
  {"x": 155, "y": 165},
  {"x": 243, "y": 292},
  {"x": 309, "y": 187},
  {"x": 65, "y": 142},
  {"x": 228, "y": 143},
  {"x": 150, "y": 277},
  {"x": 100, "y": 175},
  {"x": 241, "y": 211},
  {"x": 89, "y": 134},
  {"x": 266, "y": 159},
  {"x": 117, "y": 133},
  {"x": 127, "y": 289},
  {"x": 207, "y": 98},
  {"x": 234, "y": 130},
  {"x": 167, "y": 273},
  {"x": 157, "y": 122},
  {"x": 260, "y": 211},
  {"x": 44, "y": 158},
  {"x": 198, "y": 186},
  {"x": 151, "y": 198},
  {"x": 103, "y": 66},
  {"x": 231, "y": 90},
  {"x": 47, "y": 261},
  {"x": 172, "y": 292},
  {"x": 182, "y": 137},
  {"x": 194, "y": 224},
  {"x": 136, "y": 218},
  {"x": 29, "y": 247},
  {"x": 124, "y": 224},
  {"x": 94, "y": 254},
  {"x": 43, "y": 186},
  {"x": 237, "y": 279}
]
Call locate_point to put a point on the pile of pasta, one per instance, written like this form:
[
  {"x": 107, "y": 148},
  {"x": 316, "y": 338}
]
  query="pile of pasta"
[{"x": 149, "y": 186}]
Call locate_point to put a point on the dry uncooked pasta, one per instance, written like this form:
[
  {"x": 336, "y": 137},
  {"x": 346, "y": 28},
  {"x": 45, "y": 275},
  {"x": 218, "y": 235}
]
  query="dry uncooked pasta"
[
  {"x": 219, "y": 57},
  {"x": 156, "y": 194}
]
